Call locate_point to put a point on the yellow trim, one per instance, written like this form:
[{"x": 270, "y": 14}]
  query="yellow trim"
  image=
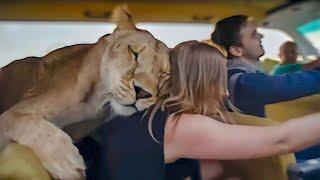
[
  {"x": 284, "y": 111},
  {"x": 143, "y": 12}
]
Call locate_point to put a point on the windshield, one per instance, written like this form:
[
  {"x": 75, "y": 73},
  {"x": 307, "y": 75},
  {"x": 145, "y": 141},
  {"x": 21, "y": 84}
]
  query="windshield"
[
  {"x": 311, "y": 31},
  {"x": 37, "y": 38}
]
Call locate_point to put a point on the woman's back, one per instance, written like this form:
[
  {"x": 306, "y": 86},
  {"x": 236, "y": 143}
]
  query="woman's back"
[{"x": 124, "y": 149}]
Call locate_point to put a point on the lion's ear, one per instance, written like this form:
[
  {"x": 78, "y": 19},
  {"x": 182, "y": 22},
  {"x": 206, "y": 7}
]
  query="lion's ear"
[{"x": 122, "y": 17}]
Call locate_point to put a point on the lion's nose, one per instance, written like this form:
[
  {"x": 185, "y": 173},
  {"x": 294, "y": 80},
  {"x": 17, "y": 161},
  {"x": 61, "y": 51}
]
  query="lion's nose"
[{"x": 141, "y": 94}]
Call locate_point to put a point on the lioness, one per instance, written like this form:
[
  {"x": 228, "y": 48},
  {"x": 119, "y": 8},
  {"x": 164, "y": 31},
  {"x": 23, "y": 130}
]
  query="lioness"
[{"x": 123, "y": 69}]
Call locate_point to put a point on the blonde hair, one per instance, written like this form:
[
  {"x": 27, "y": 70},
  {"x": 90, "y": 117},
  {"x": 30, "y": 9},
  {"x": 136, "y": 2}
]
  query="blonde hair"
[{"x": 198, "y": 83}]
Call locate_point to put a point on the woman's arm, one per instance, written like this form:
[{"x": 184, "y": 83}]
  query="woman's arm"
[{"x": 200, "y": 137}]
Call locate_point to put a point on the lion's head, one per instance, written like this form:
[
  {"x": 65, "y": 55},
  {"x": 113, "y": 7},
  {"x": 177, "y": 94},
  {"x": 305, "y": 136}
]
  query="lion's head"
[{"x": 134, "y": 67}]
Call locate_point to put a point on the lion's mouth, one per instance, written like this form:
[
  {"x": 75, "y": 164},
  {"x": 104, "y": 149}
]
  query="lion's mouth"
[
  {"x": 138, "y": 104},
  {"x": 132, "y": 106},
  {"x": 141, "y": 94}
]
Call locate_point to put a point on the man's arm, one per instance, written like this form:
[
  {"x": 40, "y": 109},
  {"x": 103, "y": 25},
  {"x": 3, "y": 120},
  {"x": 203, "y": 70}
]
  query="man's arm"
[
  {"x": 311, "y": 65},
  {"x": 259, "y": 88}
]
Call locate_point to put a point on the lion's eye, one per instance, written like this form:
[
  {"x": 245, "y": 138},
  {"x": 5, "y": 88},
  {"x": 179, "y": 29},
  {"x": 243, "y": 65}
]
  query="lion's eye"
[{"x": 136, "y": 55}]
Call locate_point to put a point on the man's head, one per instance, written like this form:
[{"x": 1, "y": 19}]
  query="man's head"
[
  {"x": 288, "y": 53},
  {"x": 239, "y": 36}
]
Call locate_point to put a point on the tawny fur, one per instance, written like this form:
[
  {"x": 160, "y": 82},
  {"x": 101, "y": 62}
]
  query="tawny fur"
[{"x": 71, "y": 85}]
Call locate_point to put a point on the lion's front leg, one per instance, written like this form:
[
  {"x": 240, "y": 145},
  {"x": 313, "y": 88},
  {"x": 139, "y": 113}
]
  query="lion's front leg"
[{"x": 53, "y": 146}]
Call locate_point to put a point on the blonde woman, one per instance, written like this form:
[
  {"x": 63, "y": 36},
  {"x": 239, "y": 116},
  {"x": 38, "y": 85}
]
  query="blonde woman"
[{"x": 189, "y": 121}]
